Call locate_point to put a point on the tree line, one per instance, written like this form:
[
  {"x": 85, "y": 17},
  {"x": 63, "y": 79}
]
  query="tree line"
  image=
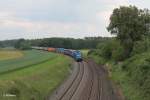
[{"x": 69, "y": 43}]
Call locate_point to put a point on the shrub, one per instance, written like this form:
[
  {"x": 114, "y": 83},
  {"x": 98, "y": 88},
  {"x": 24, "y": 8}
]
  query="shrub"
[
  {"x": 107, "y": 51},
  {"x": 111, "y": 50},
  {"x": 92, "y": 51},
  {"x": 118, "y": 53},
  {"x": 138, "y": 69},
  {"x": 141, "y": 46}
]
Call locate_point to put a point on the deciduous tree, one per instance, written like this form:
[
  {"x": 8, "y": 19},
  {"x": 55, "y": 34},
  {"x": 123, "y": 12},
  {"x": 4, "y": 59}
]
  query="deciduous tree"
[{"x": 129, "y": 24}]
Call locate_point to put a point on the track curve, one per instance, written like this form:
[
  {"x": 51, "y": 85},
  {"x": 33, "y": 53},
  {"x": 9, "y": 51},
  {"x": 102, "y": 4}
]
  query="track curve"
[{"x": 88, "y": 81}]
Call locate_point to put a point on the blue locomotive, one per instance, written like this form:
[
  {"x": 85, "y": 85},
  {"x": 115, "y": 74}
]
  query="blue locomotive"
[
  {"x": 74, "y": 54},
  {"x": 77, "y": 55}
]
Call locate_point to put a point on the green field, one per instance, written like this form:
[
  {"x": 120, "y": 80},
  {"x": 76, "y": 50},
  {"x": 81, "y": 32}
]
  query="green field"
[
  {"x": 33, "y": 76},
  {"x": 7, "y": 54},
  {"x": 30, "y": 58},
  {"x": 84, "y": 52}
]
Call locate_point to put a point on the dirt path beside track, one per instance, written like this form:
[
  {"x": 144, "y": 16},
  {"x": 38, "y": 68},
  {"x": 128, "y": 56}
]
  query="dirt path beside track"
[{"x": 88, "y": 81}]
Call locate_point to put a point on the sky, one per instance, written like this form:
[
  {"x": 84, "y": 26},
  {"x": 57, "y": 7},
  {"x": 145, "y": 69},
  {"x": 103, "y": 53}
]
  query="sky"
[{"x": 32, "y": 19}]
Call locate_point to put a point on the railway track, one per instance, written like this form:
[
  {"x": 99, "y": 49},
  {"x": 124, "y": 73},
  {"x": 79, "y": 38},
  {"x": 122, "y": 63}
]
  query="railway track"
[{"x": 88, "y": 81}]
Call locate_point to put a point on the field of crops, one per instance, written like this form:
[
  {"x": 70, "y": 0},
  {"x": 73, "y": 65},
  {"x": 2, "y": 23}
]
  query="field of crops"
[
  {"x": 7, "y": 54},
  {"x": 33, "y": 76},
  {"x": 30, "y": 58}
]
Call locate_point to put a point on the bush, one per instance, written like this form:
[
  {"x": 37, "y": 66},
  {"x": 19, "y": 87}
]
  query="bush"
[
  {"x": 92, "y": 51},
  {"x": 141, "y": 46},
  {"x": 138, "y": 69},
  {"x": 111, "y": 50},
  {"x": 118, "y": 53},
  {"x": 107, "y": 51}
]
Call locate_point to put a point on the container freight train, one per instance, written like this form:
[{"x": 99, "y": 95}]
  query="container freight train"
[{"x": 76, "y": 54}]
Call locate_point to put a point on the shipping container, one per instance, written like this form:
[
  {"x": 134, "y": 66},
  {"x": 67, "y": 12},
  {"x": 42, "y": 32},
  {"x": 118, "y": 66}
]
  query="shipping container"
[{"x": 51, "y": 49}]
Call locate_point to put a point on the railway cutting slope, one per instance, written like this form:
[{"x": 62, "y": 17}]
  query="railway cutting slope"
[{"x": 88, "y": 81}]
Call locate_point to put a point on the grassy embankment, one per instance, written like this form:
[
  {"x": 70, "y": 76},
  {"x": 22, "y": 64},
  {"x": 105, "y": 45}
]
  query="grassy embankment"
[
  {"x": 132, "y": 75},
  {"x": 33, "y": 76}
]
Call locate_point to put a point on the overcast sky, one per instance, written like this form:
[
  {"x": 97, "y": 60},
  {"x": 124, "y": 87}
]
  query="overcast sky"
[{"x": 58, "y": 18}]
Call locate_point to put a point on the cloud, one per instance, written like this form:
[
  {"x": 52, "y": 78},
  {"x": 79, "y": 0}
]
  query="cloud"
[
  {"x": 104, "y": 16},
  {"x": 48, "y": 17},
  {"x": 15, "y": 27},
  {"x": 60, "y": 18},
  {"x": 114, "y": 2}
]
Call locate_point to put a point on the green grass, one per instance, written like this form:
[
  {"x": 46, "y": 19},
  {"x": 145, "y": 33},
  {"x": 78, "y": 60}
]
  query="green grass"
[
  {"x": 137, "y": 69},
  {"x": 84, "y": 52},
  {"x": 130, "y": 92},
  {"x": 35, "y": 81}
]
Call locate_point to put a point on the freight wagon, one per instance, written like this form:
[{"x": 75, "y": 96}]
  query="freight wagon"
[
  {"x": 76, "y": 54},
  {"x": 60, "y": 50},
  {"x": 51, "y": 49}
]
